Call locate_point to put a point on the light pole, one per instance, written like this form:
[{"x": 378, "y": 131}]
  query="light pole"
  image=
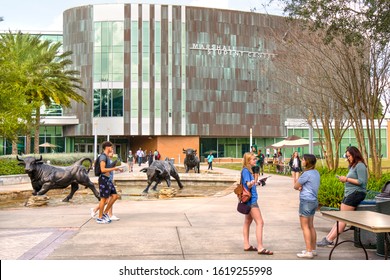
[
  {"x": 250, "y": 139},
  {"x": 45, "y": 139},
  {"x": 310, "y": 135},
  {"x": 95, "y": 139}
]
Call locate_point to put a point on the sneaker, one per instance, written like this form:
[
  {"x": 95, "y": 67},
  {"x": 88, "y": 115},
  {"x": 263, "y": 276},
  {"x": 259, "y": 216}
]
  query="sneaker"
[
  {"x": 314, "y": 252},
  {"x": 107, "y": 218},
  {"x": 101, "y": 221},
  {"x": 114, "y": 218},
  {"x": 93, "y": 213},
  {"x": 305, "y": 255},
  {"x": 325, "y": 243}
]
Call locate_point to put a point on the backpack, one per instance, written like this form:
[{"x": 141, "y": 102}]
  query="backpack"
[
  {"x": 96, "y": 167},
  {"x": 385, "y": 191},
  {"x": 261, "y": 159}
]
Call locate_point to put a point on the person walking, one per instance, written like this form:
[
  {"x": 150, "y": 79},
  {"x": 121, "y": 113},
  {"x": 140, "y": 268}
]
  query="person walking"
[
  {"x": 295, "y": 166},
  {"x": 94, "y": 211},
  {"x": 140, "y": 155},
  {"x": 260, "y": 162},
  {"x": 248, "y": 182},
  {"x": 130, "y": 161},
  {"x": 150, "y": 158},
  {"x": 308, "y": 184},
  {"x": 106, "y": 186},
  {"x": 355, "y": 189},
  {"x": 210, "y": 159}
]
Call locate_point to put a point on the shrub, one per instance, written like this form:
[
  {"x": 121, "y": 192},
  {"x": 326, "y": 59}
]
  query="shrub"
[
  {"x": 331, "y": 190},
  {"x": 9, "y": 164}
]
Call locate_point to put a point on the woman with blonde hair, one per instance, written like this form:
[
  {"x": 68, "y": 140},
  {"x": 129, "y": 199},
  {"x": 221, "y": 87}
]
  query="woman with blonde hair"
[{"x": 248, "y": 182}]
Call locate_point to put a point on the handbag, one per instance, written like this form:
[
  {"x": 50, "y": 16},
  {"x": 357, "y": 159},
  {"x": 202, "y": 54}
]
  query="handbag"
[
  {"x": 242, "y": 193},
  {"x": 243, "y": 208}
]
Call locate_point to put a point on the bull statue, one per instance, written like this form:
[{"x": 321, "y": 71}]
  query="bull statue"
[
  {"x": 45, "y": 177},
  {"x": 191, "y": 160},
  {"x": 161, "y": 170}
]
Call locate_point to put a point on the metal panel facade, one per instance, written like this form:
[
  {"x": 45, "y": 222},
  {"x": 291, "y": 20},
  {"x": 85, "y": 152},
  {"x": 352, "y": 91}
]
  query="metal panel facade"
[{"x": 187, "y": 71}]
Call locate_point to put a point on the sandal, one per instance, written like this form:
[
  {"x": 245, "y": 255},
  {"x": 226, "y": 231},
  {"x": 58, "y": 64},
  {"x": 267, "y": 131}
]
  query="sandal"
[
  {"x": 251, "y": 248},
  {"x": 265, "y": 252}
]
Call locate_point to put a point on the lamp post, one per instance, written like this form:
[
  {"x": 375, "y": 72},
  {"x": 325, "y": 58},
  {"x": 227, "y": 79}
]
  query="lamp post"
[
  {"x": 250, "y": 139},
  {"x": 95, "y": 139},
  {"x": 45, "y": 140},
  {"x": 310, "y": 135}
]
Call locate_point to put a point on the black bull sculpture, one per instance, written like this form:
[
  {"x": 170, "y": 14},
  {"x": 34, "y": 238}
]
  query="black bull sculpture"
[
  {"x": 45, "y": 177},
  {"x": 191, "y": 160},
  {"x": 161, "y": 170}
]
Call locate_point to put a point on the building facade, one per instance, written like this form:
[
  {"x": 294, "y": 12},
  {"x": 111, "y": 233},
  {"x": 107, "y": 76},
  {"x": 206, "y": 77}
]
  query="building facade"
[
  {"x": 169, "y": 77},
  {"x": 161, "y": 71}
]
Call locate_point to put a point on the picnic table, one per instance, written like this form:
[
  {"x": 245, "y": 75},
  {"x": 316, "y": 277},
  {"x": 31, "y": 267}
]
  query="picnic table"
[
  {"x": 367, "y": 220},
  {"x": 283, "y": 167}
]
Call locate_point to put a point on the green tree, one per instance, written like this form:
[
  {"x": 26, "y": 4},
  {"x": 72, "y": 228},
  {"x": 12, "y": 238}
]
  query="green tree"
[
  {"x": 15, "y": 111},
  {"x": 364, "y": 25},
  {"x": 47, "y": 76}
]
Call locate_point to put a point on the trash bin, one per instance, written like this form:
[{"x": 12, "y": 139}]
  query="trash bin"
[
  {"x": 383, "y": 206},
  {"x": 368, "y": 238}
]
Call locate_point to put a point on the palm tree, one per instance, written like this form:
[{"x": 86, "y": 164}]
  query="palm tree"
[
  {"x": 47, "y": 76},
  {"x": 53, "y": 81}
]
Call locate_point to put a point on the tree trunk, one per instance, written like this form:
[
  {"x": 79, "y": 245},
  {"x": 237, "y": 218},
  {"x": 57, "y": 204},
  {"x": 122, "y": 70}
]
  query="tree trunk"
[
  {"x": 375, "y": 151},
  {"x": 14, "y": 147},
  {"x": 28, "y": 143}
]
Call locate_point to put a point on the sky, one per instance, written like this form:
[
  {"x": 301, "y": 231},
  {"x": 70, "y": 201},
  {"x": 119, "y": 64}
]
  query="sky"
[{"x": 46, "y": 15}]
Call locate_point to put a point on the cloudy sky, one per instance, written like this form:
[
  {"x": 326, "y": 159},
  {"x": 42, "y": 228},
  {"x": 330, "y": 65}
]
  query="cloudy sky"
[{"x": 46, "y": 15}]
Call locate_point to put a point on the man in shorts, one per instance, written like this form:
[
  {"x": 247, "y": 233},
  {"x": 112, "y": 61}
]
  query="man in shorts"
[{"x": 106, "y": 186}]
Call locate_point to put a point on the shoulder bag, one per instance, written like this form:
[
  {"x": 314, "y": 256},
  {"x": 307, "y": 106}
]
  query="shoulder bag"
[{"x": 244, "y": 196}]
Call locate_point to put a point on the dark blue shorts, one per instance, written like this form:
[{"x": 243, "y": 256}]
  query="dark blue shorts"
[
  {"x": 106, "y": 187},
  {"x": 295, "y": 169},
  {"x": 354, "y": 198}
]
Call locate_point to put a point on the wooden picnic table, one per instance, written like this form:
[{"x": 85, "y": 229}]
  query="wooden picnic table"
[{"x": 367, "y": 220}]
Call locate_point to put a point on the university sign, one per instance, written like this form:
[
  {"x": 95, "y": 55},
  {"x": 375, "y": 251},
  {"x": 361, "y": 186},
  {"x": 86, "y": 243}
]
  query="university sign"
[{"x": 214, "y": 49}]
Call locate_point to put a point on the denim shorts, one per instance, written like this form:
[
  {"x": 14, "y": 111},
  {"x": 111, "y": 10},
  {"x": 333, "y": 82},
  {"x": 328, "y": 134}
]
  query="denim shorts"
[
  {"x": 354, "y": 199},
  {"x": 307, "y": 208},
  {"x": 254, "y": 205}
]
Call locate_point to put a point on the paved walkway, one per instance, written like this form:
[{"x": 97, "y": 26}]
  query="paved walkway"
[{"x": 207, "y": 228}]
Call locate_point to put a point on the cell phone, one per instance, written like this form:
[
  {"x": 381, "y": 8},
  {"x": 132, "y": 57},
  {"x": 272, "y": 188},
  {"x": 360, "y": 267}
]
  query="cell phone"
[{"x": 337, "y": 176}]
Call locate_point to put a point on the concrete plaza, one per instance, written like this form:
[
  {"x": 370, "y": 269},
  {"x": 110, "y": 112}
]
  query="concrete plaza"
[{"x": 201, "y": 228}]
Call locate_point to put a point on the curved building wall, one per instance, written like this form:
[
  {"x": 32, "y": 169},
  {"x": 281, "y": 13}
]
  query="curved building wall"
[
  {"x": 78, "y": 38},
  {"x": 174, "y": 70}
]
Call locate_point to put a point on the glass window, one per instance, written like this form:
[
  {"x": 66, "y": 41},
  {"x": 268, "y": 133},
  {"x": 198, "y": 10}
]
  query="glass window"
[
  {"x": 145, "y": 103},
  {"x": 108, "y": 51},
  {"x": 134, "y": 102},
  {"x": 117, "y": 102},
  {"x": 108, "y": 103}
]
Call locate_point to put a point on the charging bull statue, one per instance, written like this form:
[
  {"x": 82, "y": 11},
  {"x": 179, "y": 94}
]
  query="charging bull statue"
[
  {"x": 191, "y": 160},
  {"x": 45, "y": 177},
  {"x": 161, "y": 170}
]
